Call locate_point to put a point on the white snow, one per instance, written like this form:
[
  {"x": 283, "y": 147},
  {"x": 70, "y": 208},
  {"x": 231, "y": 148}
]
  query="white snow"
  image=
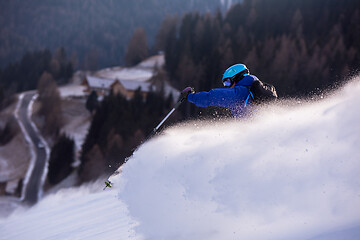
[
  {"x": 77, "y": 130},
  {"x": 291, "y": 172},
  {"x": 134, "y": 74},
  {"x": 72, "y": 90},
  {"x": 151, "y": 62},
  {"x": 86, "y": 213},
  {"x": 141, "y": 72}
]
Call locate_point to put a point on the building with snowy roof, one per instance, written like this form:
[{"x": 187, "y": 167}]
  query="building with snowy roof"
[
  {"x": 127, "y": 80},
  {"x": 127, "y": 88}
]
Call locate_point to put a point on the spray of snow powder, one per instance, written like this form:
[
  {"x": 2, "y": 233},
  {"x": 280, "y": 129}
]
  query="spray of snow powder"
[{"x": 290, "y": 172}]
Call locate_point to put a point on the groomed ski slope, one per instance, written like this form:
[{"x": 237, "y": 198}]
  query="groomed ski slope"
[{"x": 291, "y": 172}]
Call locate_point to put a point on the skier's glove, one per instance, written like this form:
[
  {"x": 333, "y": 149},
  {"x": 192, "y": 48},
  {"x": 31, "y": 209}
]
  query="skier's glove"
[{"x": 186, "y": 91}]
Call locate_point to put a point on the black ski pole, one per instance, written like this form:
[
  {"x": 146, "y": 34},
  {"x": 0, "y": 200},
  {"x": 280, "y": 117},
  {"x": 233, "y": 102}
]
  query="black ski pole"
[{"x": 165, "y": 118}]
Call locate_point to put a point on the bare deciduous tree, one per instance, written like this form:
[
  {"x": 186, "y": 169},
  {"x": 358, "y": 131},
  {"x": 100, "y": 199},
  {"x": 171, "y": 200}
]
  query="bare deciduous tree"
[
  {"x": 137, "y": 49},
  {"x": 50, "y": 101}
]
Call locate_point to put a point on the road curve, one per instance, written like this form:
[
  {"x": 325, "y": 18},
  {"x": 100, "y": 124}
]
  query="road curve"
[{"x": 34, "y": 180}]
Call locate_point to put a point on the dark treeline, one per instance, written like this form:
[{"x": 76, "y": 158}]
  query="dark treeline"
[
  {"x": 94, "y": 32},
  {"x": 300, "y": 46},
  {"x": 61, "y": 159},
  {"x": 25, "y": 74},
  {"x": 118, "y": 126}
]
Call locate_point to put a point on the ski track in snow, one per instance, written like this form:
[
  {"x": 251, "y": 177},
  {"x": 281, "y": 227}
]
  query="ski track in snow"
[
  {"x": 290, "y": 172},
  {"x": 86, "y": 212}
]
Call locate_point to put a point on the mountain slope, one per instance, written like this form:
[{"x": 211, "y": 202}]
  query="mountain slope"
[{"x": 291, "y": 172}]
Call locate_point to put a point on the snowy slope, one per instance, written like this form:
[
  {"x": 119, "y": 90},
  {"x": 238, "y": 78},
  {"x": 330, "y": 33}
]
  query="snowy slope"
[
  {"x": 291, "y": 172},
  {"x": 83, "y": 213}
]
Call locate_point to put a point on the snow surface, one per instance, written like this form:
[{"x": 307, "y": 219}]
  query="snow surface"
[
  {"x": 141, "y": 72},
  {"x": 72, "y": 90},
  {"x": 291, "y": 172},
  {"x": 133, "y": 74}
]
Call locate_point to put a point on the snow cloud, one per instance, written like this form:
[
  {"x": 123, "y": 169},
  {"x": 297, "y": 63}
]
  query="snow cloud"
[{"x": 288, "y": 173}]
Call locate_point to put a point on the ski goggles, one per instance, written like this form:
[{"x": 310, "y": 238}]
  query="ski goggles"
[{"x": 227, "y": 82}]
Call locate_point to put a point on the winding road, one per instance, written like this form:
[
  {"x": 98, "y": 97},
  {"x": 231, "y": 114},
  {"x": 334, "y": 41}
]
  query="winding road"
[{"x": 33, "y": 184}]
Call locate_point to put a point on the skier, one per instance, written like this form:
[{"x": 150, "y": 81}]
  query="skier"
[{"x": 236, "y": 95}]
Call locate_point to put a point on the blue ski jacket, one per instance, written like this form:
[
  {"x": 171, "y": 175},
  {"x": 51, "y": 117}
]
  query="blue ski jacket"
[{"x": 237, "y": 99}]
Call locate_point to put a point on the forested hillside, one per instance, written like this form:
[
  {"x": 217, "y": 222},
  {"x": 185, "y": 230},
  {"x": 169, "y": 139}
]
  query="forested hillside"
[
  {"x": 300, "y": 46},
  {"x": 94, "y": 32}
]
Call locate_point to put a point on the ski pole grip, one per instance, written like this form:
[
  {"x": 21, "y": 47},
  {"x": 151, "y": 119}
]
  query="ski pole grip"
[{"x": 179, "y": 102}]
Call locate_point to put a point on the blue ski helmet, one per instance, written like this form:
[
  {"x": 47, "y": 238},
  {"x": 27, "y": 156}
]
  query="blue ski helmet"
[{"x": 234, "y": 74}]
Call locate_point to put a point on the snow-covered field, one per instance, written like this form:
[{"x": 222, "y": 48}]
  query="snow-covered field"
[
  {"x": 140, "y": 73},
  {"x": 291, "y": 172}
]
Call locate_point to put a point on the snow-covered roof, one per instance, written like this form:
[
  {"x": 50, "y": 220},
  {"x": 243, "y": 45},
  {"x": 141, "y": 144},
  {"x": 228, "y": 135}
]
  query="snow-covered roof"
[
  {"x": 141, "y": 72},
  {"x": 96, "y": 82},
  {"x": 135, "y": 73},
  {"x": 131, "y": 78},
  {"x": 134, "y": 85},
  {"x": 130, "y": 85}
]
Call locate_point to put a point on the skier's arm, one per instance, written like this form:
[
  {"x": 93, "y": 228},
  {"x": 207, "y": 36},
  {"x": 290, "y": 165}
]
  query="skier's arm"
[{"x": 219, "y": 97}]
